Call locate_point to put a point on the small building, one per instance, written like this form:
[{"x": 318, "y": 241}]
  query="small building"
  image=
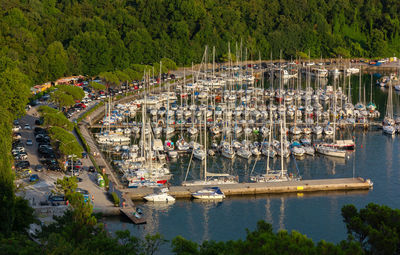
[{"x": 69, "y": 80}]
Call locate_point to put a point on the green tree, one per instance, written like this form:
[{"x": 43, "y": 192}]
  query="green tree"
[
  {"x": 97, "y": 86},
  {"x": 378, "y": 45},
  {"x": 62, "y": 99},
  {"x": 110, "y": 78},
  {"x": 94, "y": 52},
  {"x": 57, "y": 60},
  {"x": 67, "y": 186},
  {"x": 375, "y": 227}
]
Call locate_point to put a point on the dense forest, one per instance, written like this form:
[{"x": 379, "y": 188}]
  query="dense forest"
[{"x": 52, "y": 38}]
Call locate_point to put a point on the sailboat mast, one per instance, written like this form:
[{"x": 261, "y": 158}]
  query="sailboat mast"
[
  {"x": 269, "y": 137},
  {"x": 205, "y": 144},
  {"x": 281, "y": 131},
  {"x": 370, "y": 94}
]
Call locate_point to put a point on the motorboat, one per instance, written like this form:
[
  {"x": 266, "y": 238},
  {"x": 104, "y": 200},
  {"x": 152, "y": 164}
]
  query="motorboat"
[
  {"x": 199, "y": 154},
  {"x": 160, "y": 196},
  {"x": 388, "y": 129},
  {"x": 209, "y": 193}
]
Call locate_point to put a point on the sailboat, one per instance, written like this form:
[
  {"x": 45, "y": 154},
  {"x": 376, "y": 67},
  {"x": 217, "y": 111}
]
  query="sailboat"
[
  {"x": 209, "y": 193},
  {"x": 149, "y": 173},
  {"x": 371, "y": 105},
  {"x": 388, "y": 122},
  {"x": 210, "y": 178},
  {"x": 181, "y": 144},
  {"x": 168, "y": 129},
  {"x": 275, "y": 175},
  {"x": 331, "y": 149}
]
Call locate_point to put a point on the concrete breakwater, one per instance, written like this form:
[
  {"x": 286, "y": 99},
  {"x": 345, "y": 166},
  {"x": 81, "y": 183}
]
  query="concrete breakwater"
[{"x": 340, "y": 184}]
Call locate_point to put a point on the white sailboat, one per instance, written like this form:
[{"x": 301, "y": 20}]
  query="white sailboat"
[
  {"x": 213, "y": 193},
  {"x": 388, "y": 124},
  {"x": 275, "y": 175},
  {"x": 330, "y": 149},
  {"x": 210, "y": 178}
]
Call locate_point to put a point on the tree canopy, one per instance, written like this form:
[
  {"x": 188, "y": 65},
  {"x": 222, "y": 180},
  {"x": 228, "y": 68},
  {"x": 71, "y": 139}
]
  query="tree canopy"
[
  {"x": 49, "y": 39},
  {"x": 67, "y": 95},
  {"x": 65, "y": 141},
  {"x": 97, "y": 86}
]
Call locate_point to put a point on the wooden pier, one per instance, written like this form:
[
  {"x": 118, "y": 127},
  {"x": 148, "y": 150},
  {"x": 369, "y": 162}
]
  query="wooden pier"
[
  {"x": 130, "y": 213},
  {"x": 303, "y": 186}
]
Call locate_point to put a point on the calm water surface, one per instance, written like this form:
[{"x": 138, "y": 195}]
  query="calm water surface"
[{"x": 316, "y": 215}]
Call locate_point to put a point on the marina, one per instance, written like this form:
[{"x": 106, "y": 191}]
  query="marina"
[
  {"x": 250, "y": 142},
  {"x": 237, "y": 112}
]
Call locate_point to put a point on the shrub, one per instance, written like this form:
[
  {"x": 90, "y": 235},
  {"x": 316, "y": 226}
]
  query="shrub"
[{"x": 115, "y": 198}]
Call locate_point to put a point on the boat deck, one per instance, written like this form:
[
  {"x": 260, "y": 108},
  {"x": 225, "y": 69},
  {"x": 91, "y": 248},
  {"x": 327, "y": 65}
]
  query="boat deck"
[{"x": 338, "y": 184}]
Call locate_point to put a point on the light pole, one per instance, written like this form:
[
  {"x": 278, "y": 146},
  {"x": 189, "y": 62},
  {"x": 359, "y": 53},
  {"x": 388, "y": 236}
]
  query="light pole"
[{"x": 72, "y": 163}]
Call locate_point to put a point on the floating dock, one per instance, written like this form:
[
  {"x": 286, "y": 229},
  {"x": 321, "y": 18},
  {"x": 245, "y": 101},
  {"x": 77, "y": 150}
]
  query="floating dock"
[
  {"x": 240, "y": 189},
  {"x": 130, "y": 213}
]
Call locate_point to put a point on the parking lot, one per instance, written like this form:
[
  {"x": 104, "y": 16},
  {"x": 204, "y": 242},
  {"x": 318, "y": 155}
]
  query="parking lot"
[{"x": 37, "y": 192}]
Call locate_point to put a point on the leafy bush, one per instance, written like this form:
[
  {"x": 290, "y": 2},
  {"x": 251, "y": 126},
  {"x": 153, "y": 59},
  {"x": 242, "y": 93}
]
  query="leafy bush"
[
  {"x": 57, "y": 120},
  {"x": 115, "y": 198},
  {"x": 84, "y": 142},
  {"x": 44, "y": 109},
  {"x": 65, "y": 141},
  {"x": 53, "y": 117}
]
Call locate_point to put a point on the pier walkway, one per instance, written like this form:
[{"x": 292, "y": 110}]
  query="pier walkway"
[
  {"x": 239, "y": 189},
  {"x": 177, "y": 127}
]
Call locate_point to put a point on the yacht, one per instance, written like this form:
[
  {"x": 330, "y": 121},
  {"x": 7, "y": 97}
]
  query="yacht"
[{"x": 160, "y": 196}]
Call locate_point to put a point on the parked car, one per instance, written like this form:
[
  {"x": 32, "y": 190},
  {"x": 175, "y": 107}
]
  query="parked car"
[
  {"x": 22, "y": 173},
  {"x": 18, "y": 150},
  {"x": 56, "y": 199},
  {"x": 21, "y": 156},
  {"x": 39, "y": 130},
  {"x": 22, "y": 164},
  {"x": 91, "y": 169},
  {"x": 17, "y": 136},
  {"x": 39, "y": 122},
  {"x": 75, "y": 162},
  {"x": 54, "y": 167},
  {"x": 39, "y": 168},
  {"x": 34, "y": 178},
  {"x": 85, "y": 194},
  {"x": 16, "y": 128}
]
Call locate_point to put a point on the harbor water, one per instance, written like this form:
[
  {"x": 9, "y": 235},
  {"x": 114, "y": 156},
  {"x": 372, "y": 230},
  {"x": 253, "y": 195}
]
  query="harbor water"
[{"x": 317, "y": 215}]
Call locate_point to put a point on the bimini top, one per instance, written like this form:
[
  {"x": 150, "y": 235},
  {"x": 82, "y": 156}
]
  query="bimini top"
[{"x": 217, "y": 190}]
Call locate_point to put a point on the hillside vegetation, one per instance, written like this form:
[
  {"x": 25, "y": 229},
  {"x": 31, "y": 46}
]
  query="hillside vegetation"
[{"x": 52, "y": 38}]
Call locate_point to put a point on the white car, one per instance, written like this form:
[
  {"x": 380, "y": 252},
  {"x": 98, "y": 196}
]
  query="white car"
[{"x": 27, "y": 126}]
